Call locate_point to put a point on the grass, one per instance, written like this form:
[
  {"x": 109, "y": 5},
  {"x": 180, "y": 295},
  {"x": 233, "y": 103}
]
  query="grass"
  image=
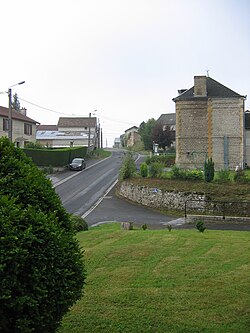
[{"x": 156, "y": 281}]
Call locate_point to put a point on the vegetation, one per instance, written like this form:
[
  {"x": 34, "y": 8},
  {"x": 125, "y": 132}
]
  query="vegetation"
[
  {"x": 167, "y": 160},
  {"x": 41, "y": 264},
  {"x": 128, "y": 167},
  {"x": 160, "y": 281},
  {"x": 209, "y": 170},
  {"x": 15, "y": 103},
  {"x": 200, "y": 226},
  {"x": 164, "y": 137},
  {"x": 144, "y": 170},
  {"x": 78, "y": 223},
  {"x": 145, "y": 130},
  {"x": 214, "y": 190},
  {"x": 34, "y": 145},
  {"x": 99, "y": 153}
]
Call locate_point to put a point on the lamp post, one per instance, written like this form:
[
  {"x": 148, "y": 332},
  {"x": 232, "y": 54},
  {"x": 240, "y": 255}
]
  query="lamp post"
[{"x": 10, "y": 110}]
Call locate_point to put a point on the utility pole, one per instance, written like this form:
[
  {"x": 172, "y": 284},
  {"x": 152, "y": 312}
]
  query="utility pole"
[
  {"x": 89, "y": 132},
  {"x": 10, "y": 115}
]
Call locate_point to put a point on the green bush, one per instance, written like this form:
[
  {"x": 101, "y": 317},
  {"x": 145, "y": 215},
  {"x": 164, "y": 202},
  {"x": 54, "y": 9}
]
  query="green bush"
[
  {"x": 167, "y": 160},
  {"x": 177, "y": 173},
  {"x": 78, "y": 223},
  {"x": 209, "y": 170},
  {"x": 223, "y": 176},
  {"x": 144, "y": 226},
  {"x": 155, "y": 170},
  {"x": 144, "y": 170},
  {"x": 128, "y": 167},
  {"x": 41, "y": 264},
  {"x": 194, "y": 175},
  {"x": 200, "y": 226},
  {"x": 241, "y": 177}
]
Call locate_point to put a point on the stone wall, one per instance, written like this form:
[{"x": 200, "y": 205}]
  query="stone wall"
[
  {"x": 196, "y": 203},
  {"x": 157, "y": 198}
]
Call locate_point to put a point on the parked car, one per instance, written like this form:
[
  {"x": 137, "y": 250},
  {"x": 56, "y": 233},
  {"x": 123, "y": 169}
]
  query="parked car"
[{"x": 77, "y": 164}]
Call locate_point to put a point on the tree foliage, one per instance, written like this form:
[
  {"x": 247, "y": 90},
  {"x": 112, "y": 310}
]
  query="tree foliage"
[
  {"x": 128, "y": 167},
  {"x": 41, "y": 266},
  {"x": 146, "y": 130},
  {"x": 164, "y": 137},
  {"x": 209, "y": 170},
  {"x": 15, "y": 103}
]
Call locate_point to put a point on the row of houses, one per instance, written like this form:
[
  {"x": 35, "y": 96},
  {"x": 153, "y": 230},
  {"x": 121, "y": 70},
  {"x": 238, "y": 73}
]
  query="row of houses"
[
  {"x": 209, "y": 121},
  {"x": 68, "y": 132}
]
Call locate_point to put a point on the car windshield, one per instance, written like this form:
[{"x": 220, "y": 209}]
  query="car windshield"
[{"x": 77, "y": 160}]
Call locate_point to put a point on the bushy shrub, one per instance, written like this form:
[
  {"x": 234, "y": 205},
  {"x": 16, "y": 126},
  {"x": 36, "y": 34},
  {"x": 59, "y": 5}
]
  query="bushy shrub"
[
  {"x": 166, "y": 160},
  {"x": 144, "y": 226},
  {"x": 223, "y": 176},
  {"x": 241, "y": 177},
  {"x": 155, "y": 170},
  {"x": 144, "y": 170},
  {"x": 41, "y": 264},
  {"x": 200, "y": 226},
  {"x": 78, "y": 223},
  {"x": 128, "y": 167},
  {"x": 194, "y": 175},
  {"x": 209, "y": 170},
  {"x": 177, "y": 173}
]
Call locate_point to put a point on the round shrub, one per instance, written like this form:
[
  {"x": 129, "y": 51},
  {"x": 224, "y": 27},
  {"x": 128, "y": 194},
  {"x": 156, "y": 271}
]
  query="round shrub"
[
  {"x": 78, "y": 223},
  {"x": 41, "y": 264}
]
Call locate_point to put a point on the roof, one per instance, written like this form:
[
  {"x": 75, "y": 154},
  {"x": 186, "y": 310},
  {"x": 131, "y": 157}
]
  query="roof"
[
  {"x": 167, "y": 119},
  {"x": 135, "y": 128},
  {"x": 77, "y": 122},
  {"x": 214, "y": 89},
  {"x": 4, "y": 112},
  {"x": 47, "y": 128},
  {"x": 58, "y": 135}
]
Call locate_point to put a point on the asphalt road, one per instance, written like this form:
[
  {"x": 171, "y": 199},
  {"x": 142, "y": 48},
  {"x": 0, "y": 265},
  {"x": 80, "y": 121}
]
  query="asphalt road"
[{"x": 91, "y": 194}]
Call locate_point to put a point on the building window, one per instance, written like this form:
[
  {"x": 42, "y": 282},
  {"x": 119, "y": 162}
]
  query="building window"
[
  {"x": 28, "y": 129},
  {"x": 5, "y": 124}
]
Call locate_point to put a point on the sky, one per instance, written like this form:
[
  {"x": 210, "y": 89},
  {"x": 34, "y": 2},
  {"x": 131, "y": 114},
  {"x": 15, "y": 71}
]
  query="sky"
[{"x": 120, "y": 60}]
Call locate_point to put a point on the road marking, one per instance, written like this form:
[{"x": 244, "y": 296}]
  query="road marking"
[{"x": 99, "y": 200}]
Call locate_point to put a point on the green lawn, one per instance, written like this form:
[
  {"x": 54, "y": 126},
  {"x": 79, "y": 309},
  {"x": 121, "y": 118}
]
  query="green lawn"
[{"x": 159, "y": 281}]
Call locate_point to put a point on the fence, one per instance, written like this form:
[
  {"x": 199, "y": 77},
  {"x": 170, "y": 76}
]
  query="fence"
[{"x": 218, "y": 208}]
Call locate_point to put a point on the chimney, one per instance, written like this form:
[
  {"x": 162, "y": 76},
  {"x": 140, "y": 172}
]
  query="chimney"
[
  {"x": 200, "y": 86},
  {"x": 23, "y": 111}
]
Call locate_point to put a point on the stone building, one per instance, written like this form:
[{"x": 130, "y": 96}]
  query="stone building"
[
  {"x": 209, "y": 123},
  {"x": 132, "y": 136}
]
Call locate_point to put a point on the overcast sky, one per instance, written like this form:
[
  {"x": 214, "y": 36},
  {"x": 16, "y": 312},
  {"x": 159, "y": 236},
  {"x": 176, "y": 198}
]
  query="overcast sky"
[{"x": 124, "y": 58}]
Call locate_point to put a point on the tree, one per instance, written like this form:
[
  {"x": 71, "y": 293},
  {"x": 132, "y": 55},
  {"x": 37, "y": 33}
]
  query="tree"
[
  {"x": 41, "y": 264},
  {"x": 209, "y": 170},
  {"x": 145, "y": 130},
  {"x": 15, "y": 103},
  {"x": 164, "y": 137}
]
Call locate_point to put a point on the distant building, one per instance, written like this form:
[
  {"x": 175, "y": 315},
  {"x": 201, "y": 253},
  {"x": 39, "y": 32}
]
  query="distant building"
[
  {"x": 168, "y": 120},
  {"x": 23, "y": 127},
  {"x": 70, "y": 132},
  {"x": 117, "y": 143},
  {"x": 131, "y": 136},
  {"x": 209, "y": 123}
]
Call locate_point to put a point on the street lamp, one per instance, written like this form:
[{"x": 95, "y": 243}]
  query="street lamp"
[{"x": 10, "y": 109}]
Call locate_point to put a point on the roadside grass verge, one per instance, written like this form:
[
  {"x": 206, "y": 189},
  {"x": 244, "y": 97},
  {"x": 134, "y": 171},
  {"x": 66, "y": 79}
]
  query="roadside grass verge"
[{"x": 156, "y": 281}]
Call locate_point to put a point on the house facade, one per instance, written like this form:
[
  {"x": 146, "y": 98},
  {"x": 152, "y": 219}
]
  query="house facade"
[
  {"x": 70, "y": 132},
  {"x": 131, "y": 136},
  {"x": 209, "y": 123},
  {"x": 23, "y": 127}
]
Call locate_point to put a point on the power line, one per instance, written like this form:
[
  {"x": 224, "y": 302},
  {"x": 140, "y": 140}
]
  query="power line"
[
  {"x": 42, "y": 107},
  {"x": 71, "y": 114}
]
